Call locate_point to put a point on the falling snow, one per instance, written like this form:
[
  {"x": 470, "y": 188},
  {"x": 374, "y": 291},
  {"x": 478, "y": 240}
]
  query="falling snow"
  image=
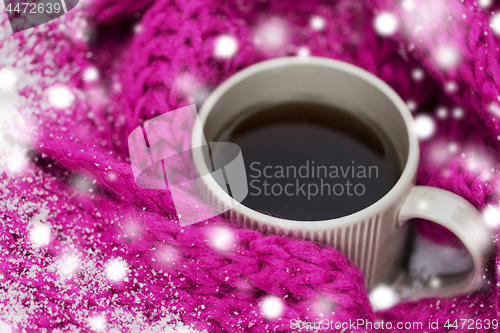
[
  {"x": 303, "y": 52},
  {"x": 60, "y": 97},
  {"x": 442, "y": 113},
  {"x": 386, "y": 24},
  {"x": 408, "y": 5},
  {"x": 271, "y": 35},
  {"x": 190, "y": 87},
  {"x": 97, "y": 324},
  {"x": 458, "y": 113},
  {"x": 40, "y": 234},
  {"x": 495, "y": 23},
  {"x": 222, "y": 238},
  {"x": 485, "y": 3},
  {"x": 493, "y": 108},
  {"x": 317, "y": 23},
  {"x": 91, "y": 74},
  {"x": 412, "y": 105},
  {"x": 116, "y": 270},
  {"x": 435, "y": 282},
  {"x": 383, "y": 297},
  {"x": 425, "y": 126},
  {"x": 447, "y": 57},
  {"x": 272, "y": 307},
  {"x": 137, "y": 28},
  {"x": 491, "y": 216},
  {"x": 451, "y": 87},
  {"x": 68, "y": 265},
  {"x": 226, "y": 46},
  {"x": 417, "y": 74}
]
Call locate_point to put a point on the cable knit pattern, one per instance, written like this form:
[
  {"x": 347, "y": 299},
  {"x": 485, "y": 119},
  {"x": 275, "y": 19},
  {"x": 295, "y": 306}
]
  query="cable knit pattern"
[{"x": 156, "y": 56}]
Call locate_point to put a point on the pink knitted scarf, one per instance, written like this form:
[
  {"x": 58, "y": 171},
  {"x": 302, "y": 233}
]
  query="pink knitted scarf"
[{"x": 82, "y": 248}]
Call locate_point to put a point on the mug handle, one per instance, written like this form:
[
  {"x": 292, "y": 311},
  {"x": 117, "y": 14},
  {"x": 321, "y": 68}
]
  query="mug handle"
[{"x": 465, "y": 221}]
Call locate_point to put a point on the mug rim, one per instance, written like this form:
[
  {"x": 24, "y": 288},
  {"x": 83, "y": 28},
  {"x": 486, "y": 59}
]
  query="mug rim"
[{"x": 397, "y": 191}]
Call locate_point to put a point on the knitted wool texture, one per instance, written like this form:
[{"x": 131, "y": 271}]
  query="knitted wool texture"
[{"x": 114, "y": 258}]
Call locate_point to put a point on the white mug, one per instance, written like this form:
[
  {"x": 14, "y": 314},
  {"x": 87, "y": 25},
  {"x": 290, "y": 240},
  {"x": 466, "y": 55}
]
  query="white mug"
[{"x": 375, "y": 237}]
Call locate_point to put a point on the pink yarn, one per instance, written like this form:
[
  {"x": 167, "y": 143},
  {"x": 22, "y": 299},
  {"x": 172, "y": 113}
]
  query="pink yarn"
[{"x": 175, "y": 275}]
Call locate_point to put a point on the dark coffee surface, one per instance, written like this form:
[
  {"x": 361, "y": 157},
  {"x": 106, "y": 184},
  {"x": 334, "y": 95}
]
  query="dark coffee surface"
[{"x": 308, "y": 161}]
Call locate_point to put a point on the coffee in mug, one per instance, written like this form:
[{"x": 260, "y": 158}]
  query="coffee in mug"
[{"x": 311, "y": 161}]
